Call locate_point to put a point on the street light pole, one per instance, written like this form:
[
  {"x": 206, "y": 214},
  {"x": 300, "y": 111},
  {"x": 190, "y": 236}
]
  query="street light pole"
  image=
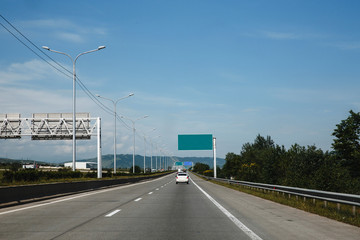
[
  {"x": 133, "y": 124},
  {"x": 145, "y": 147},
  {"x": 114, "y": 103},
  {"x": 74, "y": 94},
  {"x": 156, "y": 153}
]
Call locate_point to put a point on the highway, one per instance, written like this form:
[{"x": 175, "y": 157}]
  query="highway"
[{"x": 161, "y": 209}]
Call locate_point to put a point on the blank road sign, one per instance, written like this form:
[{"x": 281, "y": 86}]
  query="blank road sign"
[{"x": 195, "y": 142}]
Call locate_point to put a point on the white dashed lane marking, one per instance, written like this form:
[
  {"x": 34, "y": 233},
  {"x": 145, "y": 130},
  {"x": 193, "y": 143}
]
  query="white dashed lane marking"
[{"x": 113, "y": 213}]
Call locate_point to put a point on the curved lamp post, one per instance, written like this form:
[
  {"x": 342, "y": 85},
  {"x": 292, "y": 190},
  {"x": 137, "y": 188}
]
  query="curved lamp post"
[
  {"x": 115, "y": 102},
  {"x": 156, "y": 154},
  {"x": 133, "y": 127},
  {"x": 145, "y": 147},
  {"x": 74, "y": 94}
]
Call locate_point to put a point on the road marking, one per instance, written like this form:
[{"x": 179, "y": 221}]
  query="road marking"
[
  {"x": 150, "y": 193},
  {"x": 138, "y": 199},
  {"x": 157, "y": 189},
  {"x": 113, "y": 213},
  {"x": 78, "y": 196},
  {"x": 237, "y": 222}
]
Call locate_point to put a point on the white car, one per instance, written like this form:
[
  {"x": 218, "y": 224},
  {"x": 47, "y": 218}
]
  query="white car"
[{"x": 182, "y": 177}]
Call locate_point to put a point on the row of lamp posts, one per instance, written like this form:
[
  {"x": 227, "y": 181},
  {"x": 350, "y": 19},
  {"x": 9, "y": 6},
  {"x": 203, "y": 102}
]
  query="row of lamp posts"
[{"x": 115, "y": 115}]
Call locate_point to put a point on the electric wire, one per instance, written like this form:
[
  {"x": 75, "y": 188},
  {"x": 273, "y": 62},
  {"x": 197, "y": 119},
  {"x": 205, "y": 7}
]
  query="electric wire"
[
  {"x": 32, "y": 50},
  {"x": 80, "y": 83},
  {"x": 67, "y": 72}
]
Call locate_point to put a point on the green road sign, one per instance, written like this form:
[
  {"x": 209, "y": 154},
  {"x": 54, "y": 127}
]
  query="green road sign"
[
  {"x": 195, "y": 142},
  {"x": 178, "y": 163}
]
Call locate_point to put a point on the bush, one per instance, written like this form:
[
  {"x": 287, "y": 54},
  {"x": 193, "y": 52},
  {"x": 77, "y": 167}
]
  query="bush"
[
  {"x": 91, "y": 174},
  {"x": 200, "y": 168},
  {"x": 137, "y": 169},
  {"x": 208, "y": 173},
  {"x": 33, "y": 175}
]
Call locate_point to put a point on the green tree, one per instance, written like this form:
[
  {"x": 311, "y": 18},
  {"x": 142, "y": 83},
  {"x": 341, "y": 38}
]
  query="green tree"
[
  {"x": 15, "y": 166},
  {"x": 305, "y": 167},
  {"x": 137, "y": 169},
  {"x": 260, "y": 160},
  {"x": 347, "y": 143},
  {"x": 200, "y": 168},
  {"x": 232, "y": 165}
]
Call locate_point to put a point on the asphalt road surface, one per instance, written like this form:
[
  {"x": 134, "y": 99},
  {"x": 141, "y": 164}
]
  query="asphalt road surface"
[{"x": 161, "y": 209}]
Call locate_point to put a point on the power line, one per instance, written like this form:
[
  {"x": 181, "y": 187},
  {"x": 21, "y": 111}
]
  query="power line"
[
  {"x": 35, "y": 46},
  {"x": 32, "y": 49},
  {"x": 84, "y": 88},
  {"x": 80, "y": 83}
]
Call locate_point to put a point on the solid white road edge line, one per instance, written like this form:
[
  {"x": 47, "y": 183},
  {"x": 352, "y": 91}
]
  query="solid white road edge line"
[
  {"x": 113, "y": 213},
  {"x": 237, "y": 222},
  {"x": 79, "y": 196}
]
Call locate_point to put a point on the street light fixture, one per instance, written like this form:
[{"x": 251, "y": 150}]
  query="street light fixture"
[
  {"x": 145, "y": 147},
  {"x": 115, "y": 102},
  {"x": 133, "y": 124},
  {"x": 156, "y": 153},
  {"x": 74, "y": 94}
]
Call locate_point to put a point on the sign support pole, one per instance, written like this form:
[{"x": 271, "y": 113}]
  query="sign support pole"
[
  {"x": 214, "y": 149},
  {"x": 99, "y": 167}
]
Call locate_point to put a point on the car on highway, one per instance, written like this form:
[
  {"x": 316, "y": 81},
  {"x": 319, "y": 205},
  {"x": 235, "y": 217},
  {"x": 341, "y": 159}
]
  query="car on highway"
[{"x": 182, "y": 177}]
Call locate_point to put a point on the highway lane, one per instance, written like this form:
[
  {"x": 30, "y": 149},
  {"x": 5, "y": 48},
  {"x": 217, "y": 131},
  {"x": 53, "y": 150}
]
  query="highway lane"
[
  {"x": 161, "y": 209},
  {"x": 271, "y": 220}
]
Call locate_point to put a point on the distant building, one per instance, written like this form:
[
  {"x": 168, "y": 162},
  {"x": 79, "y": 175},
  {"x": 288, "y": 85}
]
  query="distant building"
[
  {"x": 82, "y": 165},
  {"x": 28, "y": 166}
]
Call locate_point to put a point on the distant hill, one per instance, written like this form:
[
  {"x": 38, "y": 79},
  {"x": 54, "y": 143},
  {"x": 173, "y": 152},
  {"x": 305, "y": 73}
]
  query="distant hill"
[
  {"x": 126, "y": 161},
  {"x": 7, "y": 160},
  {"x": 206, "y": 160}
]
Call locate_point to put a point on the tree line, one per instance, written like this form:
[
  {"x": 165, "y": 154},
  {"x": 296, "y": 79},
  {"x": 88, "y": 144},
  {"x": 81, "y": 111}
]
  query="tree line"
[{"x": 305, "y": 167}]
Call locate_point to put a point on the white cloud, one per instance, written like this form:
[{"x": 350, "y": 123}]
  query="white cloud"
[
  {"x": 161, "y": 101},
  {"x": 48, "y": 23},
  {"x": 311, "y": 95},
  {"x": 347, "y": 45},
  {"x": 63, "y": 149},
  {"x": 251, "y": 110},
  {"x": 64, "y": 29},
  {"x": 281, "y": 35},
  {"x": 71, "y": 37},
  {"x": 289, "y": 35},
  {"x": 31, "y": 70},
  {"x": 232, "y": 77}
]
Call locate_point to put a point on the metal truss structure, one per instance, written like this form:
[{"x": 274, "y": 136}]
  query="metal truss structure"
[
  {"x": 52, "y": 126},
  {"x": 47, "y": 126}
]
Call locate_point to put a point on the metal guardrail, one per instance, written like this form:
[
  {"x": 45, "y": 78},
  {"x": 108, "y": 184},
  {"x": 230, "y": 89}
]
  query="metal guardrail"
[{"x": 339, "y": 198}]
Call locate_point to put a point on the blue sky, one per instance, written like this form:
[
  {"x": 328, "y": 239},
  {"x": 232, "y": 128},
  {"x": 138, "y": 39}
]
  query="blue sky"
[{"x": 235, "y": 69}]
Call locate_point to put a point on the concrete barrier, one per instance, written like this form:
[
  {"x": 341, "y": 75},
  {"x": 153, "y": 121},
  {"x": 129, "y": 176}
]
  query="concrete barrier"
[{"x": 14, "y": 195}]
